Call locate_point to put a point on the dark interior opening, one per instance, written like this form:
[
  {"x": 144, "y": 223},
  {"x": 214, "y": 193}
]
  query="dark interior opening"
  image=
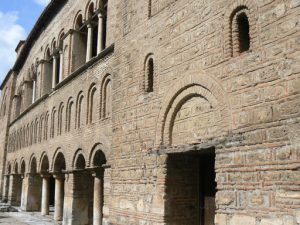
[
  {"x": 243, "y": 32},
  {"x": 95, "y": 41},
  {"x": 52, "y": 191},
  {"x": 150, "y": 73},
  {"x": 104, "y": 27},
  {"x": 57, "y": 70},
  {"x": 191, "y": 188}
]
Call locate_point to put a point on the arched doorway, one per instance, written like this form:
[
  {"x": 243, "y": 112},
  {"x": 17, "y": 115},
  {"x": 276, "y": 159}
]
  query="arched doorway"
[
  {"x": 58, "y": 167},
  {"x": 83, "y": 191},
  {"x": 6, "y": 184},
  {"x": 98, "y": 160},
  {"x": 15, "y": 187},
  {"x": 32, "y": 188},
  {"x": 48, "y": 187}
]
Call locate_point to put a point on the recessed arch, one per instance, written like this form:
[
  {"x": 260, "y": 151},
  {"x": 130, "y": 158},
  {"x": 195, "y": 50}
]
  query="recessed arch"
[
  {"x": 245, "y": 6},
  {"x": 106, "y": 96},
  {"x": 33, "y": 164},
  {"x": 194, "y": 84},
  {"x": 91, "y": 106},
  {"x": 60, "y": 37},
  {"x": 44, "y": 166},
  {"x": 58, "y": 162},
  {"x": 53, "y": 45},
  {"x": 8, "y": 168},
  {"x": 69, "y": 114},
  {"x": 78, "y": 20},
  {"x": 79, "y": 161},
  {"x": 97, "y": 157},
  {"x": 16, "y": 168},
  {"x": 23, "y": 166},
  {"x": 79, "y": 110},
  {"x": 90, "y": 9}
]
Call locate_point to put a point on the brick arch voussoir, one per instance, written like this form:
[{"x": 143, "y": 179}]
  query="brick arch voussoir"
[
  {"x": 208, "y": 87},
  {"x": 253, "y": 10},
  {"x": 33, "y": 156},
  {"x": 54, "y": 157},
  {"x": 102, "y": 146},
  {"x": 76, "y": 155},
  {"x": 40, "y": 162}
]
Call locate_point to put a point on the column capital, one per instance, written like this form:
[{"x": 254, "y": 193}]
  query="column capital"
[
  {"x": 59, "y": 176},
  {"x": 45, "y": 175},
  {"x": 100, "y": 14},
  {"x": 89, "y": 25},
  {"x": 97, "y": 172}
]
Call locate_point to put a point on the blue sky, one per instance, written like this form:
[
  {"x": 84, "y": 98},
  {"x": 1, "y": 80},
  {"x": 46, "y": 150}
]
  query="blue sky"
[{"x": 17, "y": 17}]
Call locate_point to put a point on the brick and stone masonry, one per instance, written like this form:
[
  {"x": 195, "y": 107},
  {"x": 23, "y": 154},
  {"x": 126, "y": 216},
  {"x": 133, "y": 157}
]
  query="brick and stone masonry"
[{"x": 155, "y": 112}]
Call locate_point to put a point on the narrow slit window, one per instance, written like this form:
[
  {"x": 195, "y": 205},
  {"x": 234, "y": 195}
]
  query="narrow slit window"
[
  {"x": 150, "y": 75},
  {"x": 243, "y": 32}
]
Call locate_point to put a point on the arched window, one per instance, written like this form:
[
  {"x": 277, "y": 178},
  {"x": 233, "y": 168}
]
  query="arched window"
[
  {"x": 240, "y": 31},
  {"x": 243, "y": 32},
  {"x": 3, "y": 104},
  {"x": 18, "y": 104},
  {"x": 60, "y": 119},
  {"x": 53, "y": 118},
  {"x": 47, "y": 72},
  {"x": 79, "y": 113},
  {"x": 106, "y": 97},
  {"x": 33, "y": 84},
  {"x": 36, "y": 131},
  {"x": 91, "y": 108},
  {"x": 27, "y": 135},
  {"x": 41, "y": 129},
  {"x": 149, "y": 74},
  {"x": 60, "y": 59},
  {"x": 46, "y": 126},
  {"x": 93, "y": 22},
  {"x": 79, "y": 47},
  {"x": 69, "y": 115},
  {"x": 150, "y": 9}
]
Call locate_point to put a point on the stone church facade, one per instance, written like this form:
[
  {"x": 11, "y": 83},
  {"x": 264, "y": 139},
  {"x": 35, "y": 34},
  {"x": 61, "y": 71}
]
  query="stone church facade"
[{"x": 156, "y": 112}]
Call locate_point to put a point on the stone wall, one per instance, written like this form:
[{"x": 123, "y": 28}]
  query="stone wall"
[{"x": 205, "y": 91}]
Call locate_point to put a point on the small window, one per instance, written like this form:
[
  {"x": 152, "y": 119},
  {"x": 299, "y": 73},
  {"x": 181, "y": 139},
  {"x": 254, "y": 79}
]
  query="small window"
[
  {"x": 149, "y": 82},
  {"x": 149, "y": 8},
  {"x": 240, "y": 31},
  {"x": 243, "y": 32}
]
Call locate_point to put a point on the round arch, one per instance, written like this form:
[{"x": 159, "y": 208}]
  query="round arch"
[
  {"x": 16, "y": 168},
  {"x": 78, "y": 20},
  {"x": 97, "y": 156},
  {"x": 194, "y": 84},
  {"x": 44, "y": 164},
  {"x": 79, "y": 161},
  {"x": 58, "y": 161},
  {"x": 23, "y": 166},
  {"x": 32, "y": 164}
]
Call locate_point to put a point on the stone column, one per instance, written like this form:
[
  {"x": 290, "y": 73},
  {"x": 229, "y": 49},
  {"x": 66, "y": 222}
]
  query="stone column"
[
  {"x": 98, "y": 198},
  {"x": 23, "y": 191},
  {"x": 14, "y": 190},
  {"x": 31, "y": 192},
  {"x": 89, "y": 47},
  {"x": 100, "y": 46},
  {"x": 5, "y": 188},
  {"x": 45, "y": 195},
  {"x": 61, "y": 64},
  {"x": 54, "y": 72},
  {"x": 59, "y": 197}
]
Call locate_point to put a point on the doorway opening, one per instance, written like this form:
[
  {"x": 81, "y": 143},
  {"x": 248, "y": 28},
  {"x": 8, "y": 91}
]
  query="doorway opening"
[{"x": 191, "y": 188}]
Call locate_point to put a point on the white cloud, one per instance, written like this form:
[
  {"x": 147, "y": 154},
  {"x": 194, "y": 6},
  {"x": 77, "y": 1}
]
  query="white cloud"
[
  {"x": 10, "y": 35},
  {"x": 42, "y": 2}
]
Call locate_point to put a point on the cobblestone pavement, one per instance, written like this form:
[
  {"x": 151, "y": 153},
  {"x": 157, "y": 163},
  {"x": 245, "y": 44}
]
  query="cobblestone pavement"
[{"x": 25, "y": 218}]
